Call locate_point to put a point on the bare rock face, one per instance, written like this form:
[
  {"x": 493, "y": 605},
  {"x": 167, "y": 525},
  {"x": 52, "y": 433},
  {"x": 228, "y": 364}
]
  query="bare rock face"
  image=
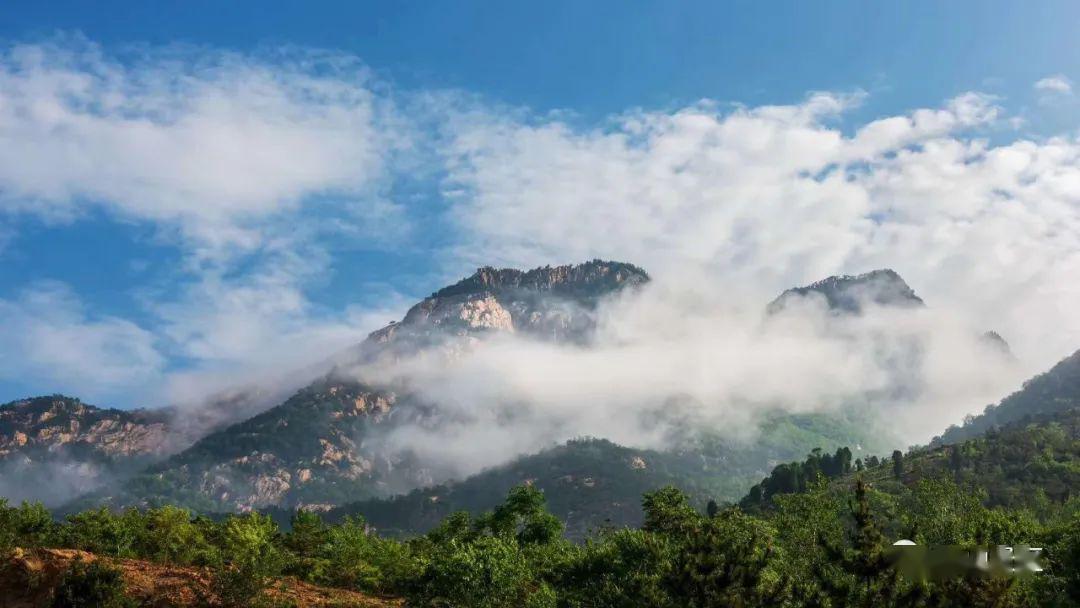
[
  {"x": 549, "y": 303},
  {"x": 53, "y": 447},
  {"x": 46, "y": 425}
]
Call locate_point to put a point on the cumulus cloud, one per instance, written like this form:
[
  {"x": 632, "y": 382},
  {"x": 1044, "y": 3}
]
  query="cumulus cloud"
[
  {"x": 209, "y": 143},
  {"x": 248, "y": 164},
  {"x": 47, "y": 336},
  {"x": 1058, "y": 84},
  {"x": 764, "y": 198}
]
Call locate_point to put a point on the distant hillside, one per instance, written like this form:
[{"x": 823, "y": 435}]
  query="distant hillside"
[
  {"x": 1017, "y": 465},
  {"x": 849, "y": 294},
  {"x": 588, "y": 483},
  {"x": 54, "y": 447},
  {"x": 1028, "y": 464},
  {"x": 593, "y": 483},
  {"x": 1056, "y": 390}
]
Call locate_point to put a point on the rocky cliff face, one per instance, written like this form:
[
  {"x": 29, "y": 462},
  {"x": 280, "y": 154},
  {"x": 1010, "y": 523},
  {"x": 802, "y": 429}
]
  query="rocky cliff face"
[
  {"x": 554, "y": 303},
  {"x": 58, "y": 425},
  {"x": 307, "y": 451},
  {"x": 53, "y": 446}
]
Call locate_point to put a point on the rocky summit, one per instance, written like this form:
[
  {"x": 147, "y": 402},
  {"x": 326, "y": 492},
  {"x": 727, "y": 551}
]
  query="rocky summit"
[
  {"x": 53, "y": 446},
  {"x": 850, "y": 294},
  {"x": 547, "y": 303}
]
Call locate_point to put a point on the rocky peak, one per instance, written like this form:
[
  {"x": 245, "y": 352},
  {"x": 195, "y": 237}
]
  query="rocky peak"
[
  {"x": 849, "y": 293},
  {"x": 53, "y": 422},
  {"x": 994, "y": 341},
  {"x": 548, "y": 302},
  {"x": 588, "y": 280}
]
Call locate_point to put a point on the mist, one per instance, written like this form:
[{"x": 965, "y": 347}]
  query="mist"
[{"x": 683, "y": 355}]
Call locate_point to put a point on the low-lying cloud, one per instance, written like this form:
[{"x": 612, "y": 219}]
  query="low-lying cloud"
[{"x": 673, "y": 359}]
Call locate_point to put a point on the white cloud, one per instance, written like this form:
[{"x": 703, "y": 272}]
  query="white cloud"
[
  {"x": 210, "y": 143},
  {"x": 259, "y": 329},
  {"x": 47, "y": 336},
  {"x": 1058, "y": 84},
  {"x": 763, "y": 198},
  {"x": 249, "y": 164}
]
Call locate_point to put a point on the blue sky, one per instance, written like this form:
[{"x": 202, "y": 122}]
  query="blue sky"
[{"x": 197, "y": 194}]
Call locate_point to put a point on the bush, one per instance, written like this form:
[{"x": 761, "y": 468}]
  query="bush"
[
  {"x": 169, "y": 535},
  {"x": 92, "y": 585},
  {"x": 105, "y": 532},
  {"x": 488, "y": 573},
  {"x": 250, "y": 558},
  {"x": 306, "y": 542},
  {"x": 28, "y": 525}
]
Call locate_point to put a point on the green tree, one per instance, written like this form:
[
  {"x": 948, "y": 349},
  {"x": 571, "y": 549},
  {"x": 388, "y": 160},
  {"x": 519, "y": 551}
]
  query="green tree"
[
  {"x": 731, "y": 560},
  {"x": 250, "y": 558},
  {"x": 668, "y": 511},
  {"x": 860, "y": 574},
  {"x": 170, "y": 535}
]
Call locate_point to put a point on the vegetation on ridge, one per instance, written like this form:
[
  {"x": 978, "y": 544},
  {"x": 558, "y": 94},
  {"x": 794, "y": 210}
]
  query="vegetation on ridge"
[{"x": 822, "y": 544}]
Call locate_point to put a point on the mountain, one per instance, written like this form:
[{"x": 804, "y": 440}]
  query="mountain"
[
  {"x": 552, "y": 303},
  {"x": 591, "y": 483},
  {"x": 1055, "y": 390},
  {"x": 54, "y": 447},
  {"x": 850, "y": 294},
  {"x": 320, "y": 446},
  {"x": 325, "y": 446},
  {"x": 1030, "y": 464},
  {"x": 588, "y": 483}
]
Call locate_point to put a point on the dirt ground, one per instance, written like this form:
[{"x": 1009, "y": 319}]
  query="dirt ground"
[{"x": 28, "y": 578}]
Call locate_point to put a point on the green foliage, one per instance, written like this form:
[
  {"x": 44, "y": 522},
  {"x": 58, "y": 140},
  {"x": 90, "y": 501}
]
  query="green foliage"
[
  {"x": 92, "y": 585},
  {"x": 815, "y": 533},
  {"x": 506, "y": 557},
  {"x": 28, "y": 525},
  {"x": 105, "y": 532},
  {"x": 171, "y": 535},
  {"x": 488, "y": 572},
  {"x": 728, "y": 560},
  {"x": 798, "y": 476},
  {"x": 620, "y": 568},
  {"x": 668, "y": 511},
  {"x": 251, "y": 556}
]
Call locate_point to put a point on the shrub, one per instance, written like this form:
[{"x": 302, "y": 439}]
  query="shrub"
[
  {"x": 250, "y": 558},
  {"x": 28, "y": 525},
  {"x": 488, "y": 573},
  {"x": 102, "y": 531},
  {"x": 356, "y": 558},
  {"x": 169, "y": 535},
  {"x": 92, "y": 585}
]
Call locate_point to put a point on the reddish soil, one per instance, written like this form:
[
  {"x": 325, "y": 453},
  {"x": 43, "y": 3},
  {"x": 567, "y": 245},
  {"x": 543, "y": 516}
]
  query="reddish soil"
[{"x": 28, "y": 577}]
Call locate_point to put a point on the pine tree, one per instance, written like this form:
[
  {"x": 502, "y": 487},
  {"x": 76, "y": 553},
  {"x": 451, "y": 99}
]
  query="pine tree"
[
  {"x": 712, "y": 508},
  {"x": 955, "y": 459},
  {"x": 863, "y": 575}
]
